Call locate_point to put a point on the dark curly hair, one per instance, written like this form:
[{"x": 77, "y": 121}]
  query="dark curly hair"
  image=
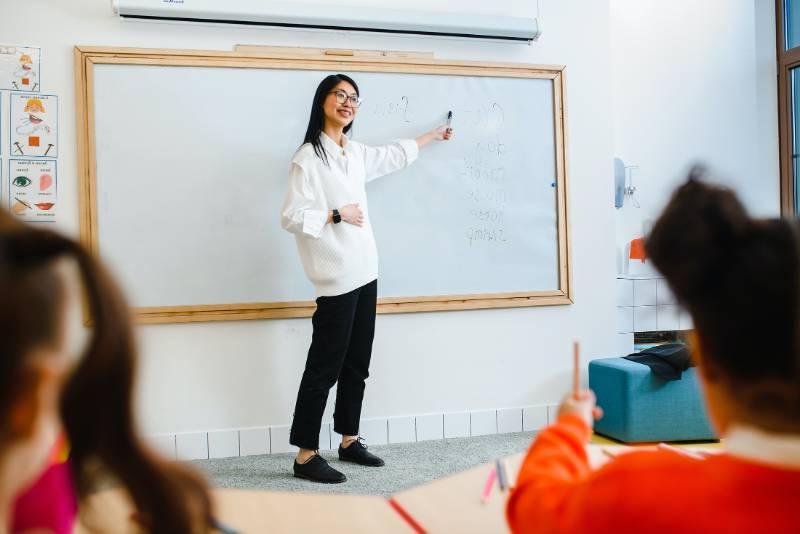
[{"x": 738, "y": 278}]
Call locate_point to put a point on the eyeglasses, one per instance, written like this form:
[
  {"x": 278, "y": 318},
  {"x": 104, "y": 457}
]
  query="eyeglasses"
[{"x": 342, "y": 97}]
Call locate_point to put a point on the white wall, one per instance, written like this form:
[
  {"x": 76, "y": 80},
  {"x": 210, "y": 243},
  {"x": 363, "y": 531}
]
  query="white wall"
[
  {"x": 695, "y": 82},
  {"x": 657, "y": 84},
  {"x": 238, "y": 374}
]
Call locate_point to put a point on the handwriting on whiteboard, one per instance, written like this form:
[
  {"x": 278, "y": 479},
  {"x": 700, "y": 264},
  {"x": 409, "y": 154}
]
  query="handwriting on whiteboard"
[
  {"x": 398, "y": 108},
  {"x": 484, "y": 178}
]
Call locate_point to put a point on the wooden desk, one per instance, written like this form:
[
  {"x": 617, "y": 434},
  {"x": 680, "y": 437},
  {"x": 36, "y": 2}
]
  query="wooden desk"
[
  {"x": 447, "y": 505},
  {"x": 261, "y": 511},
  {"x": 453, "y": 504}
]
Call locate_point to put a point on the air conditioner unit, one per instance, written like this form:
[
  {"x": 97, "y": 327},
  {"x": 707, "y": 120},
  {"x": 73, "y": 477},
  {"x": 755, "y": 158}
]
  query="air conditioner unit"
[{"x": 400, "y": 21}]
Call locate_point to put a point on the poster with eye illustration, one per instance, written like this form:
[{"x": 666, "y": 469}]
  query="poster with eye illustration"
[
  {"x": 33, "y": 122},
  {"x": 19, "y": 68},
  {"x": 33, "y": 189}
]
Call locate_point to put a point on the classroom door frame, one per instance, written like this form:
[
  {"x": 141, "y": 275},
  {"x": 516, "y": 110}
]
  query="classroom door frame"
[
  {"x": 788, "y": 59},
  {"x": 313, "y": 59}
]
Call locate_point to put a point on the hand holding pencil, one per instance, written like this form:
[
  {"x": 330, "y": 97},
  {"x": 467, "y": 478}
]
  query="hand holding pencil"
[
  {"x": 585, "y": 406},
  {"x": 581, "y": 402}
]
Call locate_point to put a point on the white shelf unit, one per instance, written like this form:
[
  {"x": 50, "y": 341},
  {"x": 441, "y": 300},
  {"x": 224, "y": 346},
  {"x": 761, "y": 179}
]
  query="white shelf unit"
[{"x": 645, "y": 304}]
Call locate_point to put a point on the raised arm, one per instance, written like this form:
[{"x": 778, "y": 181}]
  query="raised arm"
[
  {"x": 557, "y": 490},
  {"x": 442, "y": 133},
  {"x": 385, "y": 159},
  {"x": 382, "y": 160},
  {"x": 549, "y": 481}
]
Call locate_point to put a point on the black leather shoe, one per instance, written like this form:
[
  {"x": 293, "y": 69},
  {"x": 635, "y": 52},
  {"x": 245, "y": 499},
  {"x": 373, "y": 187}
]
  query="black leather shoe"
[
  {"x": 317, "y": 470},
  {"x": 357, "y": 452}
]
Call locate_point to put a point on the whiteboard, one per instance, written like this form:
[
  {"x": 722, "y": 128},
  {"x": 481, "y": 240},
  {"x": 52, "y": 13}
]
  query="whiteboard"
[{"x": 191, "y": 167}]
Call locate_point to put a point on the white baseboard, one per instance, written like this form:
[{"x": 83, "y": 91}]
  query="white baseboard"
[{"x": 274, "y": 439}]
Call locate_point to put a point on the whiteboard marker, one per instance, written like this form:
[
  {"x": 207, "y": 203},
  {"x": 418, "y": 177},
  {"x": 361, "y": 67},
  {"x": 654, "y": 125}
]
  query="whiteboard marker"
[{"x": 449, "y": 118}]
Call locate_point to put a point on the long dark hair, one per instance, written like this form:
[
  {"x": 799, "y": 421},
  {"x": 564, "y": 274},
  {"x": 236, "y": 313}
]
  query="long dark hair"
[
  {"x": 96, "y": 400},
  {"x": 738, "y": 277},
  {"x": 316, "y": 121}
]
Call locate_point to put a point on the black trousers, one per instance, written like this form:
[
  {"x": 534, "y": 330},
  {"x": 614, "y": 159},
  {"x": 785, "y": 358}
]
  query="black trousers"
[{"x": 341, "y": 347}]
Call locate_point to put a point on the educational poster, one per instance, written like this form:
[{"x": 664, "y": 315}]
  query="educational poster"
[
  {"x": 19, "y": 68},
  {"x": 33, "y": 125},
  {"x": 33, "y": 189}
]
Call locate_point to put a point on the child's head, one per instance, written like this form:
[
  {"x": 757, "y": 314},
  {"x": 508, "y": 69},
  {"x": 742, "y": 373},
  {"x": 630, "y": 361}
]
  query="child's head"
[
  {"x": 92, "y": 389},
  {"x": 34, "y": 357},
  {"x": 738, "y": 277}
]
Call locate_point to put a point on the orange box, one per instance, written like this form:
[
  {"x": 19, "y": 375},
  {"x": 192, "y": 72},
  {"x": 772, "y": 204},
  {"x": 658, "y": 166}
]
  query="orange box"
[
  {"x": 26, "y": 81},
  {"x": 33, "y": 141},
  {"x": 638, "y": 251}
]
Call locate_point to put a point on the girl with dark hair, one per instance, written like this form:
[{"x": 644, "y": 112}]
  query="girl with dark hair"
[
  {"x": 326, "y": 209},
  {"x": 740, "y": 279},
  {"x": 44, "y": 387}
]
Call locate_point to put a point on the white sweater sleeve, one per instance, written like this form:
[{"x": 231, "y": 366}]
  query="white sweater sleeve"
[
  {"x": 381, "y": 160},
  {"x": 297, "y": 215}
]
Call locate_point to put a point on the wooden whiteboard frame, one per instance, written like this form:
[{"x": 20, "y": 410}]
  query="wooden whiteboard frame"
[{"x": 87, "y": 57}]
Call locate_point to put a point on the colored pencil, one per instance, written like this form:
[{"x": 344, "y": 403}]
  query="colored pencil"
[
  {"x": 487, "y": 488},
  {"x": 576, "y": 379},
  {"x": 502, "y": 479}
]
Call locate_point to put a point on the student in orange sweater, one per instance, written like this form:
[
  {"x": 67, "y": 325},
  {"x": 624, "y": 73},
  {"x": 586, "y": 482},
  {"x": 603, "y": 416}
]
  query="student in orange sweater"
[{"x": 739, "y": 279}]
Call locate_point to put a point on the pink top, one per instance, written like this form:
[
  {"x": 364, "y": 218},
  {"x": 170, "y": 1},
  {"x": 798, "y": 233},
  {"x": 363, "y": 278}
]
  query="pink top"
[{"x": 51, "y": 503}]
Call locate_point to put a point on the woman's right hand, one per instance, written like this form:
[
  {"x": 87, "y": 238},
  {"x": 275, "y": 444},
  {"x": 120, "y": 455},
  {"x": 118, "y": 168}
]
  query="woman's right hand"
[{"x": 352, "y": 214}]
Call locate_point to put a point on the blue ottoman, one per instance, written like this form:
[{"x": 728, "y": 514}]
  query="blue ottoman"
[{"x": 639, "y": 406}]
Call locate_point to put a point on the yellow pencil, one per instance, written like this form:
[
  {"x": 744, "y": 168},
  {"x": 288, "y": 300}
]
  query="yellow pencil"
[{"x": 576, "y": 380}]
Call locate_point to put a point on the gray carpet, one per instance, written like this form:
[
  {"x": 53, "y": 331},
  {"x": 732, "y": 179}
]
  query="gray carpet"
[{"x": 407, "y": 465}]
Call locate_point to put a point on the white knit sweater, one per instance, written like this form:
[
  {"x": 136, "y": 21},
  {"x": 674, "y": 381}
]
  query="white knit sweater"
[{"x": 338, "y": 258}]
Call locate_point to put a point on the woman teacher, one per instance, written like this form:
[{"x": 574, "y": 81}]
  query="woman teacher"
[{"x": 326, "y": 209}]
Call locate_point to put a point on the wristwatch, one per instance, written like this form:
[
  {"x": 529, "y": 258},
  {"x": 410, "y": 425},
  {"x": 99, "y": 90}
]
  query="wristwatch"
[{"x": 336, "y": 217}]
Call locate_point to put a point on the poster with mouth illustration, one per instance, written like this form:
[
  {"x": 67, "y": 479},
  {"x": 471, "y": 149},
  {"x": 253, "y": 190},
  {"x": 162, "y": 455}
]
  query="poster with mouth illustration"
[
  {"x": 19, "y": 68},
  {"x": 34, "y": 125},
  {"x": 33, "y": 189}
]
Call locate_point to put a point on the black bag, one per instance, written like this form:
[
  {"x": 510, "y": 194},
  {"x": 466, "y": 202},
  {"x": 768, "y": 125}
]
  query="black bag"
[{"x": 666, "y": 361}]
